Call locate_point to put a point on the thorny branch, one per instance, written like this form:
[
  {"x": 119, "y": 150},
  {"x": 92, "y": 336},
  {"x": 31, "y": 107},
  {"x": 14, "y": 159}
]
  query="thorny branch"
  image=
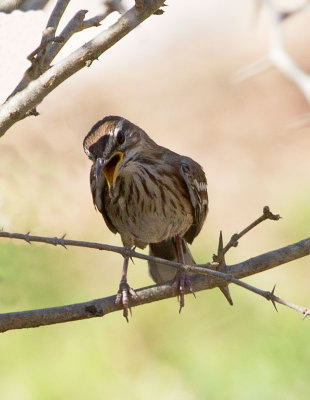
[
  {"x": 220, "y": 256},
  {"x": 41, "y": 78},
  {"x": 207, "y": 277},
  {"x": 277, "y": 54},
  {"x": 267, "y": 214}
]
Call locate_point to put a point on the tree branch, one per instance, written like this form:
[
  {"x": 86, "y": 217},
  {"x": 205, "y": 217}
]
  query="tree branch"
[
  {"x": 206, "y": 278},
  {"x": 19, "y": 104},
  {"x": 51, "y": 45},
  {"x": 37, "y": 56}
]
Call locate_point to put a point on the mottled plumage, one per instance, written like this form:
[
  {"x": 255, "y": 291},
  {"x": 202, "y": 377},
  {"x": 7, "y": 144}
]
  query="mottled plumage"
[{"x": 145, "y": 192}]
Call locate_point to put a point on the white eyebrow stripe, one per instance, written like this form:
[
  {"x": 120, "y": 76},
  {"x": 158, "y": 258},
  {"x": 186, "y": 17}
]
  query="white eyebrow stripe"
[{"x": 118, "y": 128}]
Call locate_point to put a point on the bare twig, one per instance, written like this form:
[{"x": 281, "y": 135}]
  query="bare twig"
[
  {"x": 76, "y": 24},
  {"x": 42, "y": 47},
  {"x": 220, "y": 256},
  {"x": 37, "y": 56},
  {"x": 57, "y": 13},
  {"x": 55, "y": 241},
  {"x": 267, "y": 214},
  {"x": 50, "y": 45}
]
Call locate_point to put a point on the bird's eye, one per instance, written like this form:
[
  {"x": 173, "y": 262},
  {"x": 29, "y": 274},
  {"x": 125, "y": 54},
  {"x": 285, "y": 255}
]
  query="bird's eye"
[
  {"x": 185, "y": 167},
  {"x": 120, "y": 138}
]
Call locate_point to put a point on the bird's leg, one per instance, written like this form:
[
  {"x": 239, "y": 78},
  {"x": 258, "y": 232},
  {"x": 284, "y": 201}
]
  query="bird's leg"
[
  {"x": 182, "y": 280},
  {"x": 125, "y": 291}
]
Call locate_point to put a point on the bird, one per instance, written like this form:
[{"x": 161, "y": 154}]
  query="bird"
[{"x": 148, "y": 194}]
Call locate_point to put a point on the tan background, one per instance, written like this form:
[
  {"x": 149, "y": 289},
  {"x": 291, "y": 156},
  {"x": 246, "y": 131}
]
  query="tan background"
[{"x": 172, "y": 76}]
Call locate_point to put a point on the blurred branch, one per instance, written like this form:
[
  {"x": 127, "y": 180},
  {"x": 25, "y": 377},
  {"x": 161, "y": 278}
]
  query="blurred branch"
[
  {"x": 207, "y": 277},
  {"x": 41, "y": 78},
  {"x": 277, "y": 54},
  {"x": 7, "y": 6},
  {"x": 301, "y": 121}
]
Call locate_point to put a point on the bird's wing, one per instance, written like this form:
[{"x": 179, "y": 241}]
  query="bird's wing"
[
  {"x": 102, "y": 195},
  {"x": 196, "y": 183}
]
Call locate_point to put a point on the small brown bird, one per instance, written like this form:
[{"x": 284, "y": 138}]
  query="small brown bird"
[{"x": 149, "y": 195}]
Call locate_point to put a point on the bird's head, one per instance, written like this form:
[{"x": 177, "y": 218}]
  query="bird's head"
[{"x": 110, "y": 143}]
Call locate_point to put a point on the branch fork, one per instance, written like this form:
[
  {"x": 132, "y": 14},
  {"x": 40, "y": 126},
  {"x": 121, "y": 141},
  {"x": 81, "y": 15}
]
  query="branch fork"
[{"x": 45, "y": 77}]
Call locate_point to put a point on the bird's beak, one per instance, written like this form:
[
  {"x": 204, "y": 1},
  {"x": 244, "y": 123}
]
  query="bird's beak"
[{"x": 109, "y": 167}]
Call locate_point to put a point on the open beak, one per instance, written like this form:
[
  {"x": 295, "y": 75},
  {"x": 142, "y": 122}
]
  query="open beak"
[{"x": 109, "y": 167}]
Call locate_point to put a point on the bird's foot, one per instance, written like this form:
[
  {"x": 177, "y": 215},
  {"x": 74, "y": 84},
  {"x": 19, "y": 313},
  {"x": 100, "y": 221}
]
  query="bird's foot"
[
  {"x": 181, "y": 284},
  {"x": 125, "y": 292}
]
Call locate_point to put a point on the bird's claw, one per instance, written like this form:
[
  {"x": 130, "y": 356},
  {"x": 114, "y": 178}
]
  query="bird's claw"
[
  {"x": 181, "y": 284},
  {"x": 125, "y": 292}
]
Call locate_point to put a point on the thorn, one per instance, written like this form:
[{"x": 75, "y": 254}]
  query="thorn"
[
  {"x": 226, "y": 293},
  {"x": 274, "y": 304},
  {"x": 27, "y": 238},
  {"x": 61, "y": 241},
  {"x": 130, "y": 257},
  {"x": 270, "y": 297},
  {"x": 220, "y": 246},
  {"x": 220, "y": 258}
]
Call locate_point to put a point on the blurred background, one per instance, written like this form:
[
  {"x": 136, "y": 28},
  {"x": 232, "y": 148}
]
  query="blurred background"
[{"x": 172, "y": 76}]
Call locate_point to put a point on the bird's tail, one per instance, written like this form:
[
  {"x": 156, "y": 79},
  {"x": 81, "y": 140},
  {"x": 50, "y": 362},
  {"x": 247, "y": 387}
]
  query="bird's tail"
[{"x": 167, "y": 250}]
